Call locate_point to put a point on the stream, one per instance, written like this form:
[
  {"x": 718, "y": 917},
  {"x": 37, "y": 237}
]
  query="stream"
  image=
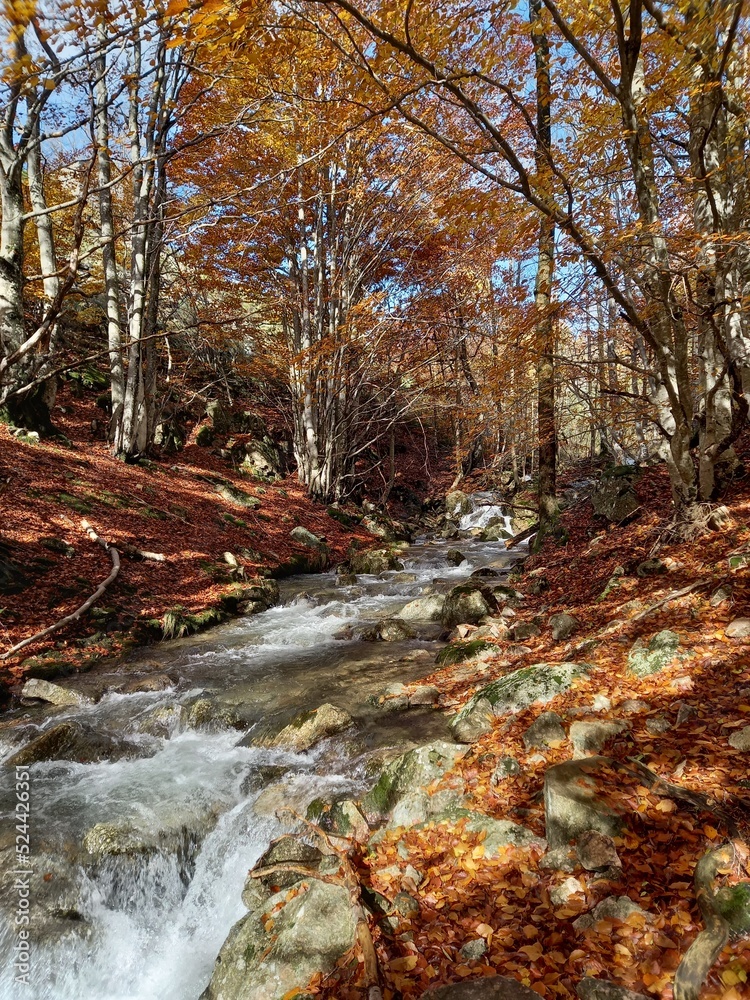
[{"x": 148, "y": 925}]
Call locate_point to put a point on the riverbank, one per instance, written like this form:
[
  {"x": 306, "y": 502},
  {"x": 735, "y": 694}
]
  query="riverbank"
[{"x": 192, "y": 529}]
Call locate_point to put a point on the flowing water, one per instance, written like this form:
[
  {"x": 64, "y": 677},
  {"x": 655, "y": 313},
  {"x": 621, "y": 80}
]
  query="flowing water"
[{"x": 149, "y": 924}]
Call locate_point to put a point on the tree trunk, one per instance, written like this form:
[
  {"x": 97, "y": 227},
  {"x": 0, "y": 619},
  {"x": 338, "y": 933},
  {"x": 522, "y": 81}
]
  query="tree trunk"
[{"x": 549, "y": 510}]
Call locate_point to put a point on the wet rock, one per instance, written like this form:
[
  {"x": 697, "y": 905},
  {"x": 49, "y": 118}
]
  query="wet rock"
[
  {"x": 602, "y": 989},
  {"x": 563, "y": 626},
  {"x": 424, "y": 609},
  {"x": 467, "y": 604},
  {"x": 162, "y": 721},
  {"x": 55, "y": 890},
  {"x": 547, "y": 730},
  {"x": 309, "y": 933},
  {"x": 611, "y": 908},
  {"x": 454, "y": 557},
  {"x": 304, "y": 731},
  {"x": 393, "y": 630},
  {"x": 111, "y": 839},
  {"x": 740, "y": 739},
  {"x": 506, "y": 767},
  {"x": 533, "y": 685},
  {"x": 74, "y": 741},
  {"x": 653, "y": 657},
  {"x": 588, "y": 738},
  {"x": 485, "y": 573},
  {"x": 375, "y": 561},
  {"x": 424, "y": 694},
  {"x": 206, "y": 715},
  {"x": 458, "y": 503},
  {"x": 411, "y": 771},
  {"x": 151, "y": 682},
  {"x": 738, "y": 629},
  {"x": 347, "y": 821},
  {"x": 486, "y": 988},
  {"x": 573, "y": 804},
  {"x": 54, "y": 694},
  {"x": 596, "y": 852}
]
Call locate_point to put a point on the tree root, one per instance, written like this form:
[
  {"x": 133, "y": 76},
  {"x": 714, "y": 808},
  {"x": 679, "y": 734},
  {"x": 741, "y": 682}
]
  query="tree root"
[
  {"x": 115, "y": 556},
  {"x": 702, "y": 954}
]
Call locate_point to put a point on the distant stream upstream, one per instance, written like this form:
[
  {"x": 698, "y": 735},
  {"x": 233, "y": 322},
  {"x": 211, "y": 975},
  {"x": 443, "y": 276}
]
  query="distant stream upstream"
[{"x": 153, "y": 923}]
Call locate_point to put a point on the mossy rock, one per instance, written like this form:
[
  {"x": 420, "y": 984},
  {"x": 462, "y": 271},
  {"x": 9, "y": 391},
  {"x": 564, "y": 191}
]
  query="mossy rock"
[
  {"x": 177, "y": 623},
  {"x": 234, "y": 494},
  {"x": 204, "y": 436},
  {"x": 653, "y": 657},
  {"x": 458, "y": 652},
  {"x": 534, "y": 685},
  {"x": 411, "y": 771}
]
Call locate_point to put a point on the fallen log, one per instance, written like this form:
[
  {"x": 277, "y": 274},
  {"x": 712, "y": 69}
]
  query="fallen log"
[{"x": 88, "y": 603}]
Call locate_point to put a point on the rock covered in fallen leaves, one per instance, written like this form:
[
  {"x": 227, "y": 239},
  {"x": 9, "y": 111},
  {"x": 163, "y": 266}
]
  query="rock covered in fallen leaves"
[
  {"x": 740, "y": 739},
  {"x": 588, "y": 738},
  {"x": 533, "y": 685},
  {"x": 488, "y": 988},
  {"x": 602, "y": 989},
  {"x": 546, "y": 730},
  {"x": 649, "y": 658},
  {"x": 563, "y": 626},
  {"x": 596, "y": 852},
  {"x": 738, "y": 629},
  {"x": 53, "y": 693},
  {"x": 573, "y": 803}
]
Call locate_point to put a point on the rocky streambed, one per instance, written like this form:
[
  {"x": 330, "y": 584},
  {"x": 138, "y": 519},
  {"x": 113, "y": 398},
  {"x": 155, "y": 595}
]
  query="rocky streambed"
[{"x": 154, "y": 790}]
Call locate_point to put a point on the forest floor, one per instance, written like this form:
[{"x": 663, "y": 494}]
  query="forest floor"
[
  {"x": 170, "y": 506},
  {"x": 482, "y": 916}
]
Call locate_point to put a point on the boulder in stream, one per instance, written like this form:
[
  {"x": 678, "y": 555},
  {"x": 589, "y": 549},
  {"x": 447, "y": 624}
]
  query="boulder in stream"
[
  {"x": 375, "y": 561},
  {"x": 54, "y": 694},
  {"x": 264, "y": 959},
  {"x": 424, "y": 609},
  {"x": 468, "y": 604},
  {"x": 305, "y": 730},
  {"x": 74, "y": 741}
]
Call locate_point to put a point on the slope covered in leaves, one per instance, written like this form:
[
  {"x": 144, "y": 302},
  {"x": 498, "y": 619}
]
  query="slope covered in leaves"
[
  {"x": 172, "y": 507},
  {"x": 504, "y": 906}
]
